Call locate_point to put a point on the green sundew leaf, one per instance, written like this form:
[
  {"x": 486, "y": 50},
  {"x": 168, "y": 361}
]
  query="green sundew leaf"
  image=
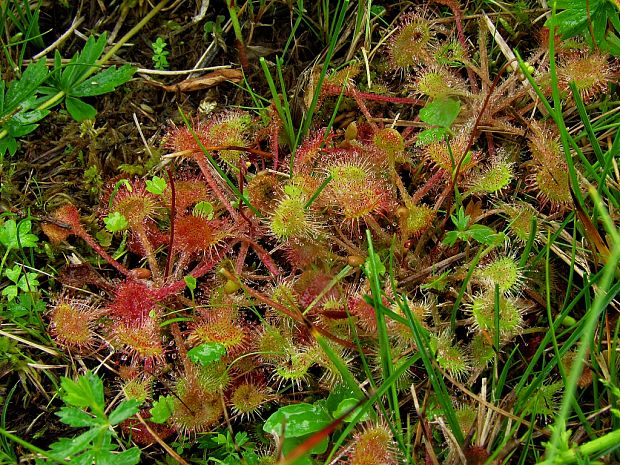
[
  {"x": 13, "y": 236},
  {"x": 294, "y": 421},
  {"x": 440, "y": 112},
  {"x": 293, "y": 191},
  {"x": 103, "y": 82},
  {"x": 87, "y": 391},
  {"x": 207, "y": 353},
  {"x": 115, "y": 222},
  {"x": 156, "y": 185},
  {"x": 162, "y": 409},
  {"x": 78, "y": 418},
  {"x": 125, "y": 410},
  {"x": 22, "y": 90},
  {"x": 127, "y": 457},
  {"x": 79, "y": 110}
]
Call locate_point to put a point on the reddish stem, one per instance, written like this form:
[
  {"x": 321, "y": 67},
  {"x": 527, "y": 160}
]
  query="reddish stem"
[
  {"x": 458, "y": 19},
  {"x": 173, "y": 212},
  {"x": 102, "y": 253},
  {"x": 432, "y": 182},
  {"x": 206, "y": 171}
]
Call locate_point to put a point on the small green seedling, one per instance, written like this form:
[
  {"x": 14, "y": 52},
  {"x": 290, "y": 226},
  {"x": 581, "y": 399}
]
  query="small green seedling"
[{"x": 160, "y": 53}]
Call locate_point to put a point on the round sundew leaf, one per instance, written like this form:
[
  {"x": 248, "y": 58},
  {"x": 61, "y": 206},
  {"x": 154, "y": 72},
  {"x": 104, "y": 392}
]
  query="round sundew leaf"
[
  {"x": 207, "y": 353},
  {"x": 297, "y": 420}
]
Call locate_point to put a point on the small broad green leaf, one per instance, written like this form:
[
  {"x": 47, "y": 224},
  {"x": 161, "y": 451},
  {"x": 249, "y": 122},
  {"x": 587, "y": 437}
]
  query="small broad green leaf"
[
  {"x": 28, "y": 282},
  {"x": 377, "y": 10},
  {"x": 574, "y": 17},
  {"x": 126, "y": 409},
  {"x": 344, "y": 408},
  {"x": 431, "y": 135},
  {"x": 438, "y": 283},
  {"x": 293, "y": 421},
  {"x": 103, "y": 82},
  {"x": 8, "y": 144},
  {"x": 368, "y": 265},
  {"x": 203, "y": 209},
  {"x": 162, "y": 409},
  {"x": 20, "y": 91},
  {"x": 207, "y": 353},
  {"x": 115, "y": 222},
  {"x": 80, "y": 63},
  {"x": 339, "y": 393},
  {"x": 190, "y": 282},
  {"x": 13, "y": 273},
  {"x": 156, "y": 185},
  {"x": 108, "y": 457},
  {"x": 482, "y": 234},
  {"x": 441, "y": 112},
  {"x": 291, "y": 444},
  {"x": 86, "y": 391},
  {"x": 460, "y": 220},
  {"x": 13, "y": 236},
  {"x": 10, "y": 292},
  {"x": 68, "y": 447},
  {"x": 78, "y": 418},
  {"x": 25, "y": 119},
  {"x": 79, "y": 110}
]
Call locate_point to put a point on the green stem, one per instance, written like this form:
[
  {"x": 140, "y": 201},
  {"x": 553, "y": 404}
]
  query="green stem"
[
  {"x": 29, "y": 446},
  {"x": 604, "y": 444}
]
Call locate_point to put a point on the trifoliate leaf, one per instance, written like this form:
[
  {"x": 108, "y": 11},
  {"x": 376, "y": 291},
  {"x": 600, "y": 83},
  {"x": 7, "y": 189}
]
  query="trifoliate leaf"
[
  {"x": 162, "y": 409},
  {"x": 207, "y": 353},
  {"x": 13, "y": 236},
  {"x": 115, "y": 222},
  {"x": 156, "y": 185}
]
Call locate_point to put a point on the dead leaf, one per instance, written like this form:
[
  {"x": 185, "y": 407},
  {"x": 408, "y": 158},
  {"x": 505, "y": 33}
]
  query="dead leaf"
[{"x": 205, "y": 82}]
